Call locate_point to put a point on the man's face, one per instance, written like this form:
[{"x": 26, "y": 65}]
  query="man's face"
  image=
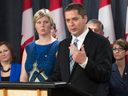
[
  {"x": 95, "y": 27},
  {"x": 75, "y": 23},
  {"x": 54, "y": 32}
]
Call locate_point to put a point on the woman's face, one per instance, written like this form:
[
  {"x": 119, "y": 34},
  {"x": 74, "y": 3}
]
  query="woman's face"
[
  {"x": 43, "y": 26},
  {"x": 5, "y": 54},
  {"x": 119, "y": 52}
]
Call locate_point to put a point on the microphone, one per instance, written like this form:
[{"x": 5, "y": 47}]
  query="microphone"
[{"x": 41, "y": 70}]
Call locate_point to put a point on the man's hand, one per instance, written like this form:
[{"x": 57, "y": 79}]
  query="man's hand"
[{"x": 79, "y": 56}]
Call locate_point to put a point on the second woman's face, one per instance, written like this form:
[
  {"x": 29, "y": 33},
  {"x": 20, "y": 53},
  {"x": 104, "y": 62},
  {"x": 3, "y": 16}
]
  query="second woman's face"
[
  {"x": 5, "y": 54},
  {"x": 43, "y": 26},
  {"x": 119, "y": 52}
]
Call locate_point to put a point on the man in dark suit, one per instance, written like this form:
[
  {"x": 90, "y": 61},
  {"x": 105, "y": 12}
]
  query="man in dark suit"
[{"x": 92, "y": 55}]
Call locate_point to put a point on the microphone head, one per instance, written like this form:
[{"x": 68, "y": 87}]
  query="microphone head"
[{"x": 41, "y": 70}]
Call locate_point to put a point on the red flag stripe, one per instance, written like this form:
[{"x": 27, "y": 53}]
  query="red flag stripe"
[
  {"x": 28, "y": 40},
  {"x": 27, "y": 34},
  {"x": 103, "y": 3},
  {"x": 27, "y": 4},
  {"x": 21, "y": 36},
  {"x": 78, "y": 1},
  {"x": 126, "y": 36},
  {"x": 23, "y": 46},
  {"x": 56, "y": 5},
  {"x": 126, "y": 33}
]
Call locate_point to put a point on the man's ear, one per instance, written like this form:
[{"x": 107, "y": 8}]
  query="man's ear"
[
  {"x": 102, "y": 33},
  {"x": 56, "y": 32},
  {"x": 51, "y": 28},
  {"x": 85, "y": 19}
]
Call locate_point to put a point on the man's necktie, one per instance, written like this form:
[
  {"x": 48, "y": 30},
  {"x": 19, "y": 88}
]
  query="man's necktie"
[{"x": 70, "y": 56}]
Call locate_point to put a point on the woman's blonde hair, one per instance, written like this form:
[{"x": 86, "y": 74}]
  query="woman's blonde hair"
[{"x": 43, "y": 12}]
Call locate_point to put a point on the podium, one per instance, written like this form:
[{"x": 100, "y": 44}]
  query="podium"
[{"x": 39, "y": 89}]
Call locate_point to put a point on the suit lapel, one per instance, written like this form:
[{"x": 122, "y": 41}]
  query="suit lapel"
[
  {"x": 66, "y": 67},
  {"x": 125, "y": 75},
  {"x": 116, "y": 72},
  {"x": 12, "y": 72},
  {"x": 88, "y": 39}
]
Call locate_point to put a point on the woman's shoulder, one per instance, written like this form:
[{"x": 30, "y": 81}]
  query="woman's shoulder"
[
  {"x": 30, "y": 44},
  {"x": 114, "y": 66},
  {"x": 57, "y": 41}
]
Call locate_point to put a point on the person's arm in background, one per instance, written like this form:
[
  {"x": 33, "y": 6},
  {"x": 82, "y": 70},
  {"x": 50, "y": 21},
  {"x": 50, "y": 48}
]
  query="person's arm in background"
[{"x": 24, "y": 75}]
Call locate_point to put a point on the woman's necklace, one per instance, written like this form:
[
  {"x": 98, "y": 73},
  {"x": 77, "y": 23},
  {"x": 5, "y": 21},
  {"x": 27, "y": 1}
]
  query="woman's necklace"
[{"x": 4, "y": 70}]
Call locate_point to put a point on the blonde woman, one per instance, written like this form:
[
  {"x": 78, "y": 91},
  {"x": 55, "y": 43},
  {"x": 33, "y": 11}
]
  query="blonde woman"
[{"x": 39, "y": 57}]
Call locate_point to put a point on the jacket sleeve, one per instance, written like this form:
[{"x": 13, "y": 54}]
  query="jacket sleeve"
[{"x": 99, "y": 63}]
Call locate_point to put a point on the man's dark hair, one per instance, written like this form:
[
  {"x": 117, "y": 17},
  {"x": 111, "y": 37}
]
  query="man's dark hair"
[
  {"x": 76, "y": 6},
  {"x": 54, "y": 26},
  {"x": 93, "y": 21}
]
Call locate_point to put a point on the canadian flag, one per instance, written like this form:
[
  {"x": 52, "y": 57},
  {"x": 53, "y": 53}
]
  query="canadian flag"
[
  {"x": 126, "y": 33},
  {"x": 105, "y": 16},
  {"x": 57, "y": 14},
  {"x": 78, "y": 1},
  {"x": 27, "y": 34}
]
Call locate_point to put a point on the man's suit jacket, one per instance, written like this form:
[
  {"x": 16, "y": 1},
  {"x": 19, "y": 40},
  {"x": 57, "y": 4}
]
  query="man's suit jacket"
[
  {"x": 15, "y": 72},
  {"x": 118, "y": 86},
  {"x": 97, "y": 70}
]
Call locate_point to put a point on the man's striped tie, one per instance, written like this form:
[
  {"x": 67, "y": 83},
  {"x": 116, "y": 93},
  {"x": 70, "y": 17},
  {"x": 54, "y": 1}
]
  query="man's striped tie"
[{"x": 70, "y": 56}]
